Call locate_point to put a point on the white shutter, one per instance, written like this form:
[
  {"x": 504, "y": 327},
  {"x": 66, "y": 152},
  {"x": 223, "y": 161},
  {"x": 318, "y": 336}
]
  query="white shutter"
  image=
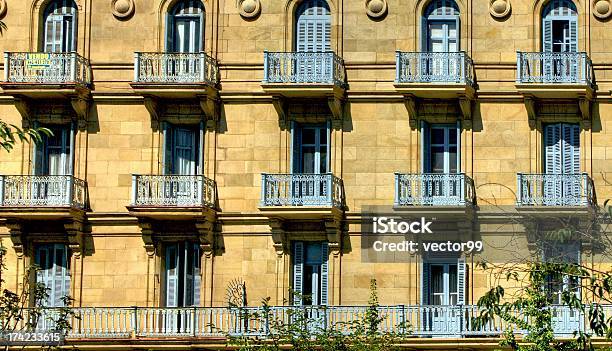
[
  {"x": 172, "y": 275},
  {"x": 458, "y": 131},
  {"x": 168, "y": 147},
  {"x": 197, "y": 275},
  {"x": 44, "y": 275},
  {"x": 552, "y": 186},
  {"x": 188, "y": 269},
  {"x": 298, "y": 271},
  {"x": 60, "y": 27},
  {"x": 461, "y": 281},
  {"x": 571, "y": 163},
  {"x": 425, "y": 148},
  {"x": 324, "y": 273},
  {"x": 547, "y": 37},
  {"x": 573, "y": 27},
  {"x": 53, "y": 33},
  {"x": 53, "y": 272},
  {"x": 313, "y": 27}
]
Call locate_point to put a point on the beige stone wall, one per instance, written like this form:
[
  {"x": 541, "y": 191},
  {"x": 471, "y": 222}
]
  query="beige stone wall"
[{"x": 374, "y": 140}]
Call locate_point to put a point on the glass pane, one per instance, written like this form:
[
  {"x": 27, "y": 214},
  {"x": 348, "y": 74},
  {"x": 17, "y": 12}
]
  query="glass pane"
[
  {"x": 437, "y": 46},
  {"x": 323, "y": 136},
  {"x": 313, "y": 255},
  {"x": 437, "y": 136},
  {"x": 452, "y": 278},
  {"x": 308, "y": 159},
  {"x": 307, "y": 284},
  {"x": 452, "y": 136},
  {"x": 308, "y": 136},
  {"x": 437, "y": 279},
  {"x": 323, "y": 159},
  {"x": 437, "y": 159},
  {"x": 452, "y": 31},
  {"x": 452, "y": 159},
  {"x": 436, "y": 30}
]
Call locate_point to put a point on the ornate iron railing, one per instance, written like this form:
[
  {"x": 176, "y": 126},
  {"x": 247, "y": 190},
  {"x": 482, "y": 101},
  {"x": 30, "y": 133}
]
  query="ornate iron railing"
[
  {"x": 555, "y": 190},
  {"x": 46, "y": 68},
  {"x": 301, "y": 190},
  {"x": 173, "y": 190},
  {"x": 304, "y": 67},
  {"x": 414, "y": 320},
  {"x": 42, "y": 191},
  {"x": 554, "y": 67},
  {"x": 433, "y": 189},
  {"x": 434, "y": 67},
  {"x": 159, "y": 67}
]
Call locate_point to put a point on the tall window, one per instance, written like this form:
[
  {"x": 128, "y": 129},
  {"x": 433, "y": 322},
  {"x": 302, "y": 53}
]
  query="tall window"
[
  {"x": 53, "y": 272},
  {"x": 60, "y": 26},
  {"x": 562, "y": 157},
  {"x": 443, "y": 284},
  {"x": 310, "y": 272},
  {"x": 185, "y": 27},
  {"x": 441, "y": 27},
  {"x": 560, "y": 27},
  {"x": 440, "y": 148},
  {"x": 182, "y": 146},
  {"x": 182, "y": 274},
  {"x": 313, "y": 26},
  {"x": 310, "y": 148},
  {"x": 53, "y": 156}
]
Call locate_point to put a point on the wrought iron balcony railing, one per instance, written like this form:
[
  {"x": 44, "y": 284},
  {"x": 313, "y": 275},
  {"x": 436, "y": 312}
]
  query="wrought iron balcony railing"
[
  {"x": 173, "y": 68},
  {"x": 325, "y": 190},
  {"x": 46, "y": 68},
  {"x": 434, "y": 67},
  {"x": 304, "y": 68},
  {"x": 434, "y": 189},
  {"x": 173, "y": 191},
  {"x": 203, "y": 322},
  {"x": 555, "y": 190},
  {"x": 554, "y": 68},
  {"x": 42, "y": 191}
]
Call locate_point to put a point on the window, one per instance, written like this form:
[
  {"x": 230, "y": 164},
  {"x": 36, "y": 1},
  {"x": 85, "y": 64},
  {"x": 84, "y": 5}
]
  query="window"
[
  {"x": 182, "y": 274},
  {"x": 443, "y": 284},
  {"x": 310, "y": 272},
  {"x": 60, "y": 26},
  {"x": 440, "y": 148},
  {"x": 313, "y": 26},
  {"x": 54, "y": 155},
  {"x": 441, "y": 27},
  {"x": 560, "y": 27},
  {"x": 54, "y": 272},
  {"x": 562, "y": 157},
  {"x": 182, "y": 148},
  {"x": 310, "y": 148},
  {"x": 185, "y": 27}
]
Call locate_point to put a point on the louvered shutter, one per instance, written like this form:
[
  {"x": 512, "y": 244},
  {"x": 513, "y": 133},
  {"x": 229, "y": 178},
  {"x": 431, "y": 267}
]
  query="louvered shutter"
[
  {"x": 172, "y": 275},
  {"x": 298, "y": 271},
  {"x": 328, "y": 149},
  {"x": 324, "y": 273},
  {"x": 573, "y": 27},
  {"x": 296, "y": 147},
  {"x": 571, "y": 163},
  {"x": 425, "y": 147},
  {"x": 188, "y": 266},
  {"x": 425, "y": 282},
  {"x": 184, "y": 155},
  {"x": 38, "y": 158},
  {"x": 547, "y": 36},
  {"x": 200, "y": 151},
  {"x": 313, "y": 27},
  {"x": 54, "y": 33},
  {"x": 458, "y": 131},
  {"x": 461, "y": 280},
  {"x": 167, "y": 144},
  {"x": 44, "y": 274},
  {"x": 197, "y": 275},
  {"x": 552, "y": 186},
  {"x": 169, "y": 32},
  {"x": 53, "y": 272}
]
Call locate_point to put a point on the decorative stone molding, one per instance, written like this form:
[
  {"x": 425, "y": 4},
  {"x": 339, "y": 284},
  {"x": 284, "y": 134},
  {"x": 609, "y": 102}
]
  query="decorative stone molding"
[
  {"x": 249, "y": 8},
  {"x": 602, "y": 9},
  {"x": 499, "y": 8},
  {"x": 3, "y": 7},
  {"x": 122, "y": 8},
  {"x": 376, "y": 8}
]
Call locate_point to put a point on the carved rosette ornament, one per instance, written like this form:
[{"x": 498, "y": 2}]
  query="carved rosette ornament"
[
  {"x": 376, "y": 8},
  {"x": 602, "y": 9},
  {"x": 2, "y": 8},
  {"x": 122, "y": 8},
  {"x": 499, "y": 8},
  {"x": 249, "y": 8}
]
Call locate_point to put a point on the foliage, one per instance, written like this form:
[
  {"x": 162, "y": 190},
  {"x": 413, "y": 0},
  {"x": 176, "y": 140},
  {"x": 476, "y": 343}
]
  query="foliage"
[
  {"x": 10, "y": 134},
  {"x": 301, "y": 329},
  {"x": 26, "y": 311}
]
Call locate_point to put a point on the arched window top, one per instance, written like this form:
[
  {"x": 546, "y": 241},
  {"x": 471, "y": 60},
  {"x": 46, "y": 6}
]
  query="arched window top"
[
  {"x": 313, "y": 8},
  {"x": 185, "y": 27},
  {"x": 187, "y": 8},
  {"x": 441, "y": 8},
  {"x": 61, "y": 7},
  {"x": 60, "y": 26},
  {"x": 560, "y": 8}
]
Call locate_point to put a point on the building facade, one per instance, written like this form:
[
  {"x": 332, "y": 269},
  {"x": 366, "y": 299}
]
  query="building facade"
[{"x": 203, "y": 149}]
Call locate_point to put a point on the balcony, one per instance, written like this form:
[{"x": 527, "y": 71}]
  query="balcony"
[
  {"x": 555, "y": 191},
  {"x": 440, "y": 75},
  {"x": 173, "y": 196},
  {"x": 298, "y": 195},
  {"x": 127, "y": 323},
  {"x": 304, "y": 74},
  {"x": 40, "y": 197},
  {"x": 554, "y": 74},
  {"x": 434, "y": 192}
]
